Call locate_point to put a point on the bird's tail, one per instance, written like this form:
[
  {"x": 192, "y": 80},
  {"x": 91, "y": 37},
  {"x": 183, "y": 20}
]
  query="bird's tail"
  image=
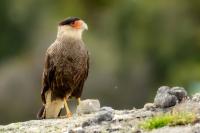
[
  {"x": 41, "y": 113},
  {"x": 51, "y": 109}
]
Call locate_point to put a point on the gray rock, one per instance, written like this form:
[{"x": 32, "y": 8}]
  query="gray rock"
[
  {"x": 195, "y": 128},
  {"x": 196, "y": 97},
  {"x": 163, "y": 89},
  {"x": 106, "y": 119},
  {"x": 179, "y": 129},
  {"x": 104, "y": 116},
  {"x": 164, "y": 99},
  {"x": 77, "y": 130},
  {"x": 179, "y": 92},
  {"x": 167, "y": 97},
  {"x": 88, "y": 106},
  {"x": 149, "y": 106},
  {"x": 168, "y": 129},
  {"x": 109, "y": 109},
  {"x": 188, "y": 106},
  {"x": 88, "y": 122}
]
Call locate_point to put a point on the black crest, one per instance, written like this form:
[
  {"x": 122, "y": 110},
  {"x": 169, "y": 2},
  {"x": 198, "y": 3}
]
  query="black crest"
[{"x": 69, "y": 20}]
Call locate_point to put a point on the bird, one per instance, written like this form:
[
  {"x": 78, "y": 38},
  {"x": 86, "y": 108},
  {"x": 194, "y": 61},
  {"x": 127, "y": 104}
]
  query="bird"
[{"x": 66, "y": 69}]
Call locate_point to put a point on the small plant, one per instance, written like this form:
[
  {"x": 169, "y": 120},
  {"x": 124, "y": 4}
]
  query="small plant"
[{"x": 169, "y": 119}]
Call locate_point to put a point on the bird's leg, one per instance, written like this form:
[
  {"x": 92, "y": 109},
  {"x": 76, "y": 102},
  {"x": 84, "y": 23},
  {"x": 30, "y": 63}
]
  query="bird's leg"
[
  {"x": 79, "y": 100},
  {"x": 68, "y": 112}
]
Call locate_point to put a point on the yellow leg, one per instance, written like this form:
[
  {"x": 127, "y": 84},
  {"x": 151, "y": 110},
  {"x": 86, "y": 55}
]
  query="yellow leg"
[
  {"x": 68, "y": 112},
  {"x": 79, "y": 100}
]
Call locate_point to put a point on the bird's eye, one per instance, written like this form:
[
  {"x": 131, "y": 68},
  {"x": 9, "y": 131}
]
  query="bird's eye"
[{"x": 72, "y": 22}]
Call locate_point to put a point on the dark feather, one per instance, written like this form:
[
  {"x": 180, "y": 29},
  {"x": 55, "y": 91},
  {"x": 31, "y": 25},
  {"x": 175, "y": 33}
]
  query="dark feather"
[
  {"x": 78, "y": 91},
  {"x": 48, "y": 75},
  {"x": 68, "y": 21},
  {"x": 41, "y": 113}
]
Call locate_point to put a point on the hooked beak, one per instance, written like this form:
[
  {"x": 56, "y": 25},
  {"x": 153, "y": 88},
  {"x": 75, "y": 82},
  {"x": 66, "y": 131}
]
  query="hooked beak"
[
  {"x": 84, "y": 25},
  {"x": 80, "y": 24}
]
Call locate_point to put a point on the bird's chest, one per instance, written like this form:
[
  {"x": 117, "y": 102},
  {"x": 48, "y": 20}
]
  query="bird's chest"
[{"x": 71, "y": 56}]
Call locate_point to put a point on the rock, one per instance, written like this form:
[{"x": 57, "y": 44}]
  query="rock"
[
  {"x": 196, "y": 128},
  {"x": 135, "y": 130},
  {"x": 149, "y": 106},
  {"x": 107, "y": 119},
  {"x": 163, "y": 89},
  {"x": 104, "y": 116},
  {"x": 168, "y": 129},
  {"x": 196, "y": 97},
  {"x": 179, "y": 129},
  {"x": 179, "y": 92},
  {"x": 164, "y": 99},
  {"x": 88, "y": 106},
  {"x": 77, "y": 130},
  {"x": 168, "y": 97},
  {"x": 109, "y": 109},
  {"x": 88, "y": 123},
  {"x": 188, "y": 106}
]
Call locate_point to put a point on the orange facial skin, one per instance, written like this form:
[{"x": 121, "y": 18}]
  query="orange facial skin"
[{"x": 77, "y": 24}]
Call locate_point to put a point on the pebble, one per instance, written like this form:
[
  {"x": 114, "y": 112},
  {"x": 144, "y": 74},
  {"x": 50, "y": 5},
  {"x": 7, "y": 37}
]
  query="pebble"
[
  {"x": 104, "y": 116},
  {"x": 88, "y": 106}
]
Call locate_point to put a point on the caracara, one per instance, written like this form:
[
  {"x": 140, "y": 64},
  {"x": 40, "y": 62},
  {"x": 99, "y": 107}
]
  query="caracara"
[{"x": 65, "y": 70}]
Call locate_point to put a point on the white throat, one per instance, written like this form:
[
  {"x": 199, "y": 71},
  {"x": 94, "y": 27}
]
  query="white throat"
[{"x": 69, "y": 32}]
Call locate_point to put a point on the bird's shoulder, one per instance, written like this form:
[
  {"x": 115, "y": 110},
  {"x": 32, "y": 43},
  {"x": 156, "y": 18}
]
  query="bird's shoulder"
[{"x": 52, "y": 48}]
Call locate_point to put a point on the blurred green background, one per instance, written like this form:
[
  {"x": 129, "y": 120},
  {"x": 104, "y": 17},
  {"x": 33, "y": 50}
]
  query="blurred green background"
[{"x": 135, "y": 47}]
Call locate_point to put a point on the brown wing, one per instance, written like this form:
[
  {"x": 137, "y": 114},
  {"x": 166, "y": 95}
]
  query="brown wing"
[
  {"x": 78, "y": 91},
  {"x": 87, "y": 69},
  {"x": 47, "y": 77}
]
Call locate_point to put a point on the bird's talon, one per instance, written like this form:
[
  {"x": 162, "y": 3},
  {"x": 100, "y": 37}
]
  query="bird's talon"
[
  {"x": 79, "y": 100},
  {"x": 69, "y": 114}
]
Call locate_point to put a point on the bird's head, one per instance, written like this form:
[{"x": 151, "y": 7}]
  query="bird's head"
[{"x": 72, "y": 27}]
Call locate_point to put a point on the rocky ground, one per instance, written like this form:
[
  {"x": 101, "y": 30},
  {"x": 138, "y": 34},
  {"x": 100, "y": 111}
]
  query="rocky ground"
[{"x": 90, "y": 118}]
